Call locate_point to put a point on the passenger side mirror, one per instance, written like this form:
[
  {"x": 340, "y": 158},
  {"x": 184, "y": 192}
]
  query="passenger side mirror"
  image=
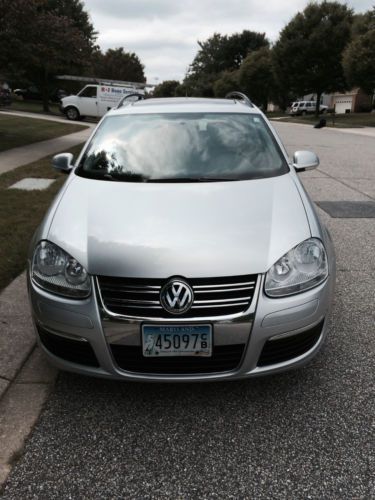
[
  {"x": 63, "y": 162},
  {"x": 305, "y": 160}
]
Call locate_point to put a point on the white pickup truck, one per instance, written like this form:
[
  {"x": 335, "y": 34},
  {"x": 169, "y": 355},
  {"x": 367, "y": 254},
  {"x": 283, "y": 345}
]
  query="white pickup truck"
[{"x": 95, "y": 100}]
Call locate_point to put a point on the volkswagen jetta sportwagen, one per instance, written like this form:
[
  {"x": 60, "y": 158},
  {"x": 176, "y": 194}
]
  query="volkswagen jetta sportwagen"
[{"x": 182, "y": 246}]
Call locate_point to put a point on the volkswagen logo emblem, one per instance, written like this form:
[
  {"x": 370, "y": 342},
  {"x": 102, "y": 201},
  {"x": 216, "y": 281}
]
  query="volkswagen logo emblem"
[{"x": 176, "y": 297}]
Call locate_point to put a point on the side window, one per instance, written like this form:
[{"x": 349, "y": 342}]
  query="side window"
[{"x": 88, "y": 92}]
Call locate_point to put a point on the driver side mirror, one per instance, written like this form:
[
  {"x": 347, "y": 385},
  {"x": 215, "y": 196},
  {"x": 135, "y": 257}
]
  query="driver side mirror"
[
  {"x": 305, "y": 160},
  {"x": 63, "y": 162}
]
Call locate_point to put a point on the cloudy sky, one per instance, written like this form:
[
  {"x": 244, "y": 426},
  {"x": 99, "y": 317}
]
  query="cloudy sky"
[{"x": 164, "y": 33}]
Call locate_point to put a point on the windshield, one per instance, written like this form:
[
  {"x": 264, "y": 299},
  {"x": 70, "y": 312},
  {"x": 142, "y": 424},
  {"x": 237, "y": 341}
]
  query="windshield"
[{"x": 182, "y": 147}]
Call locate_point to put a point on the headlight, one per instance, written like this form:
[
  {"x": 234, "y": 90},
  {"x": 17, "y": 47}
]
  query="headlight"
[
  {"x": 302, "y": 268},
  {"x": 58, "y": 272}
]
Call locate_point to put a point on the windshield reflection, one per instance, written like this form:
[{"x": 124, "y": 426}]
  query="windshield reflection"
[{"x": 190, "y": 145}]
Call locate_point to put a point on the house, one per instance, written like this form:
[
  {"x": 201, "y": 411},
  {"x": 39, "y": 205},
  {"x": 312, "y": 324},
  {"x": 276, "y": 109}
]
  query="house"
[{"x": 353, "y": 101}]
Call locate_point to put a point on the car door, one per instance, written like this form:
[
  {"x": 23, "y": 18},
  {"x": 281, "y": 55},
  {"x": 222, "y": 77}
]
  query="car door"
[{"x": 88, "y": 101}]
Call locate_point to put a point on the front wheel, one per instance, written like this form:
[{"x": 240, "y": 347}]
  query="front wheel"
[{"x": 72, "y": 113}]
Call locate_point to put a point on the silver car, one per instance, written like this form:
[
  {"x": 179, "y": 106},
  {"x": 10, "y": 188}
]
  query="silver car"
[{"x": 182, "y": 247}]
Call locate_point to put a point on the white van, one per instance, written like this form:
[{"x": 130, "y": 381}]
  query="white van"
[{"x": 95, "y": 100}]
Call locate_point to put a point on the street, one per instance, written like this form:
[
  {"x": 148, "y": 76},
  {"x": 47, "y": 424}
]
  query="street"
[{"x": 304, "y": 434}]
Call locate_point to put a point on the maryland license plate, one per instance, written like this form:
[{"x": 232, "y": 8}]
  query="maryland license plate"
[{"x": 171, "y": 340}]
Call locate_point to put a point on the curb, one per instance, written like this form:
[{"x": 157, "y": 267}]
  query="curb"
[{"x": 26, "y": 379}]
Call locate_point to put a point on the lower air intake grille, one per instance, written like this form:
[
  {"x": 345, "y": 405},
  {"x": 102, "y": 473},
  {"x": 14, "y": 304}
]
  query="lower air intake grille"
[
  {"x": 75, "y": 351},
  {"x": 224, "y": 358},
  {"x": 284, "y": 349},
  {"x": 212, "y": 296}
]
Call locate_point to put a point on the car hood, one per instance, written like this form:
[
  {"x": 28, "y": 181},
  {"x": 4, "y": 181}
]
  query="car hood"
[{"x": 185, "y": 229}]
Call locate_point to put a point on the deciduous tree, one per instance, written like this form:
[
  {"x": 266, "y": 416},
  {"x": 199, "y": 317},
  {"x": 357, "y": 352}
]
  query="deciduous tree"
[
  {"x": 217, "y": 54},
  {"x": 256, "y": 76},
  {"x": 309, "y": 51},
  {"x": 358, "y": 58},
  {"x": 166, "y": 89},
  {"x": 227, "y": 82},
  {"x": 116, "y": 64},
  {"x": 38, "y": 41}
]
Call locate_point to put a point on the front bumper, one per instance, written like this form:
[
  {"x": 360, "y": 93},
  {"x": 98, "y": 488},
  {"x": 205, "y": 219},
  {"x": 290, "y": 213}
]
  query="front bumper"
[{"x": 287, "y": 321}]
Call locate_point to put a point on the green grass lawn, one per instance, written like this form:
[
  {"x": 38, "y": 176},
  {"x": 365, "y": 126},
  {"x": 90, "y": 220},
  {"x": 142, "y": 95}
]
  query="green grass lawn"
[
  {"x": 350, "y": 120},
  {"x": 33, "y": 107},
  {"x": 18, "y": 131},
  {"x": 21, "y": 213}
]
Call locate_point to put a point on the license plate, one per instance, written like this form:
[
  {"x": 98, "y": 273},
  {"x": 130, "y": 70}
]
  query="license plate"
[{"x": 176, "y": 340}]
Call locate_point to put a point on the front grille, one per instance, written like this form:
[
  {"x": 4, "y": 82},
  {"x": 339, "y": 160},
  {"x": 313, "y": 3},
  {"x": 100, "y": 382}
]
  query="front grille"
[
  {"x": 75, "y": 351},
  {"x": 224, "y": 358},
  {"x": 212, "y": 296},
  {"x": 284, "y": 349}
]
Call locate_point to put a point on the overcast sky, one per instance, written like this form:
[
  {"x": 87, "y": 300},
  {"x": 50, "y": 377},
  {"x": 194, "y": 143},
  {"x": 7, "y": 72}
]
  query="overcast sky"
[{"x": 164, "y": 33}]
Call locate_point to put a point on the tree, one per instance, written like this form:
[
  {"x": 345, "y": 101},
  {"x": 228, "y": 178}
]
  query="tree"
[
  {"x": 309, "y": 51},
  {"x": 362, "y": 23},
  {"x": 222, "y": 52},
  {"x": 227, "y": 82},
  {"x": 217, "y": 54},
  {"x": 256, "y": 76},
  {"x": 358, "y": 58},
  {"x": 166, "y": 89},
  {"x": 37, "y": 42},
  {"x": 74, "y": 10},
  {"x": 116, "y": 64}
]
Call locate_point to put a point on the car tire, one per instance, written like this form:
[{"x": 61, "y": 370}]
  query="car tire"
[{"x": 72, "y": 113}]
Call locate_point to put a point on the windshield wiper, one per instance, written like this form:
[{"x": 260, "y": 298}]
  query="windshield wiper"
[
  {"x": 123, "y": 178},
  {"x": 110, "y": 177},
  {"x": 191, "y": 179}
]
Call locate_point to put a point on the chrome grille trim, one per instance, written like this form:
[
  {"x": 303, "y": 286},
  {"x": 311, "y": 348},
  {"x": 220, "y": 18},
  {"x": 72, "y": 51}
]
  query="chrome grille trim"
[
  {"x": 226, "y": 285},
  {"x": 226, "y": 289},
  {"x": 213, "y": 297},
  {"x": 219, "y": 301},
  {"x": 221, "y": 305},
  {"x": 134, "y": 301}
]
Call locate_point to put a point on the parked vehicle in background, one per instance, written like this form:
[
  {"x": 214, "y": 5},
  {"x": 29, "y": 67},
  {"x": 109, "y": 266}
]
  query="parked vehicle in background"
[
  {"x": 5, "y": 97},
  {"x": 33, "y": 93},
  {"x": 306, "y": 107},
  {"x": 95, "y": 100}
]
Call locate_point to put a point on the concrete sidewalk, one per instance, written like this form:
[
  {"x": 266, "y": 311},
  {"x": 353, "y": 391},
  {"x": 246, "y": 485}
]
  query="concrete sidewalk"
[
  {"x": 16, "y": 157},
  {"x": 25, "y": 376}
]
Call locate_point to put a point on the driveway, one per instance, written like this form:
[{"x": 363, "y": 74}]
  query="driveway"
[{"x": 304, "y": 434}]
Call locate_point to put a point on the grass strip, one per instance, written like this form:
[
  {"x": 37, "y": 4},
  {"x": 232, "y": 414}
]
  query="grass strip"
[
  {"x": 21, "y": 213},
  {"x": 349, "y": 120},
  {"x": 18, "y": 131}
]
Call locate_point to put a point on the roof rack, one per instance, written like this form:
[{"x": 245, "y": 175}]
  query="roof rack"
[
  {"x": 128, "y": 99},
  {"x": 104, "y": 81},
  {"x": 239, "y": 96}
]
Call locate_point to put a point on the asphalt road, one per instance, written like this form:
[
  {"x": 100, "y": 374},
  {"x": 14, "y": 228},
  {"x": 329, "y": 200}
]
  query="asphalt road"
[{"x": 307, "y": 434}]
